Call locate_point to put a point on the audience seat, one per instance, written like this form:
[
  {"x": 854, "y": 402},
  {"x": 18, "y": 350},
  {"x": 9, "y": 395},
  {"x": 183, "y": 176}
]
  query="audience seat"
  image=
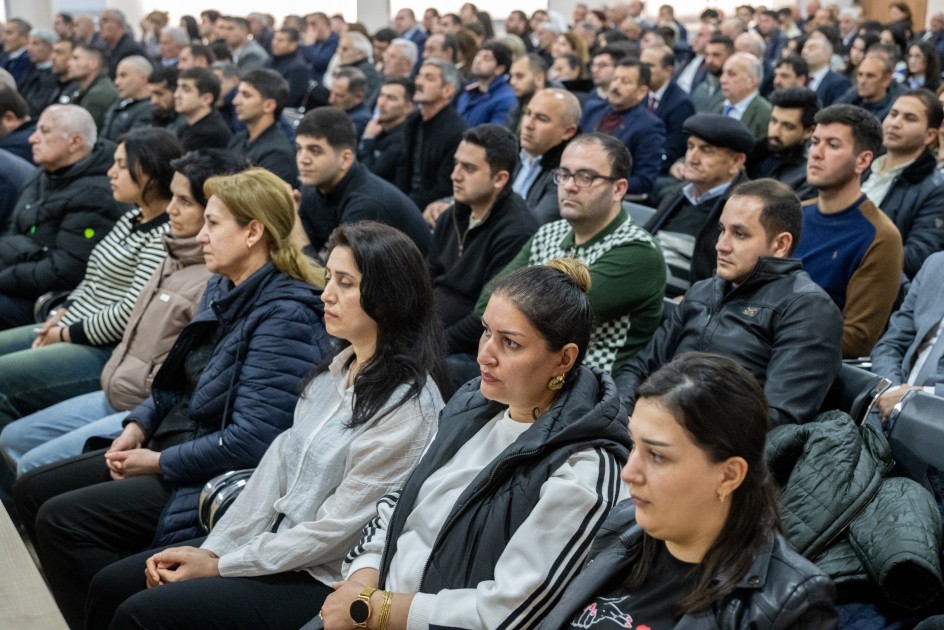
[
  {"x": 855, "y": 391},
  {"x": 917, "y": 435}
]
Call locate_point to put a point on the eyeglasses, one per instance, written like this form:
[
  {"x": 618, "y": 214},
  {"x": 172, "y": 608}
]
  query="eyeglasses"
[{"x": 582, "y": 179}]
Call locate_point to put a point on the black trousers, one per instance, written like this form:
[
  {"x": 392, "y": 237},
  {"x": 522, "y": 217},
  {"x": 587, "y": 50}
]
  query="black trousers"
[
  {"x": 118, "y": 599},
  {"x": 81, "y": 521}
]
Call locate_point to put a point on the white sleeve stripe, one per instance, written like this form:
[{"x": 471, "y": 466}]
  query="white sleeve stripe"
[
  {"x": 371, "y": 529},
  {"x": 573, "y": 554}
]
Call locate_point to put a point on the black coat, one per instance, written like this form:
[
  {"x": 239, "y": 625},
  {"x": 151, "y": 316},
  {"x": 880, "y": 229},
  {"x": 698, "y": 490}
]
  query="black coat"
[
  {"x": 462, "y": 261},
  {"x": 441, "y": 136},
  {"x": 781, "y": 590},
  {"x": 359, "y": 196},
  {"x": 383, "y": 154},
  {"x": 271, "y": 150},
  {"x": 788, "y": 167},
  {"x": 210, "y": 132},
  {"x": 542, "y": 195},
  {"x": 39, "y": 87},
  {"x": 58, "y": 219},
  {"x": 915, "y": 203},
  {"x": 778, "y": 324},
  {"x": 294, "y": 69},
  {"x": 124, "y": 116},
  {"x": 126, "y": 47}
]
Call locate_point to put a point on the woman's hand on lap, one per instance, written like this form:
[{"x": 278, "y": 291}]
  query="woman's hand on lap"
[
  {"x": 138, "y": 461},
  {"x": 178, "y": 564}
]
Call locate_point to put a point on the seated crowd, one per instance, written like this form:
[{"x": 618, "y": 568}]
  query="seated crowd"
[{"x": 415, "y": 281}]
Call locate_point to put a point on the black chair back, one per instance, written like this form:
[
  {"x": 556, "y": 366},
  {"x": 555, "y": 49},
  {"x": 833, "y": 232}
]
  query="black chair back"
[
  {"x": 917, "y": 436},
  {"x": 854, "y": 391}
]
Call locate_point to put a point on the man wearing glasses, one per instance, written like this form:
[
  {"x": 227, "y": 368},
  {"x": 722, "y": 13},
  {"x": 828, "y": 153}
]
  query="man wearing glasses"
[{"x": 627, "y": 270}]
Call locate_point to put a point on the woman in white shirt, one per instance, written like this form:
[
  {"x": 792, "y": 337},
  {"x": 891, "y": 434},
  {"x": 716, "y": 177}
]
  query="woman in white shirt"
[
  {"x": 361, "y": 425},
  {"x": 498, "y": 516}
]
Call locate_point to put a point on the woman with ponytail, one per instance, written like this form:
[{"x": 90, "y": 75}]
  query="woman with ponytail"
[
  {"x": 499, "y": 513},
  {"x": 227, "y": 388}
]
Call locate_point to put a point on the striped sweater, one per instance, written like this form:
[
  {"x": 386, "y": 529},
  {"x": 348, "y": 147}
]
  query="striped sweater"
[{"x": 118, "y": 268}]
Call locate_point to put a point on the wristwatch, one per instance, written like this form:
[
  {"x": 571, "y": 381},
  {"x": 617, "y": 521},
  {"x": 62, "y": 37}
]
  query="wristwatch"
[{"x": 360, "y": 608}]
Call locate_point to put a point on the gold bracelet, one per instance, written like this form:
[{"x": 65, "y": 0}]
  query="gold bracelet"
[{"x": 385, "y": 611}]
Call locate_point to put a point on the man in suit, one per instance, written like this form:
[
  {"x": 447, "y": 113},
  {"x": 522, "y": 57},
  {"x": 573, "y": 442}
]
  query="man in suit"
[
  {"x": 849, "y": 19},
  {"x": 628, "y": 118},
  {"x": 791, "y": 72},
  {"x": 667, "y": 100},
  {"x": 693, "y": 72},
  {"x": 768, "y": 26},
  {"x": 911, "y": 352},
  {"x": 549, "y": 122},
  {"x": 828, "y": 85},
  {"x": 247, "y": 53},
  {"x": 405, "y": 25},
  {"x": 707, "y": 95},
  {"x": 739, "y": 81}
]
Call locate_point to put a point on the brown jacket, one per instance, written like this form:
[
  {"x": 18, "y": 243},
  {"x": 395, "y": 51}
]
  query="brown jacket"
[{"x": 166, "y": 304}]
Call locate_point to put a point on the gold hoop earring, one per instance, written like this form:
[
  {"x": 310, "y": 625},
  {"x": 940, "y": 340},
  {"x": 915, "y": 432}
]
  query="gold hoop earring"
[
  {"x": 722, "y": 495},
  {"x": 556, "y": 383}
]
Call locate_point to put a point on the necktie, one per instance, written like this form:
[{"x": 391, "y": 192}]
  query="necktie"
[
  {"x": 726, "y": 111},
  {"x": 931, "y": 364},
  {"x": 653, "y": 103}
]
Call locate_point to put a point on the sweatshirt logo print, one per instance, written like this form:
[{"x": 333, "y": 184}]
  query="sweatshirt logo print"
[{"x": 606, "y": 609}]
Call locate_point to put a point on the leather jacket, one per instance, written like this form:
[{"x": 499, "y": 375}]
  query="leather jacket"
[
  {"x": 780, "y": 590},
  {"x": 778, "y": 324}
]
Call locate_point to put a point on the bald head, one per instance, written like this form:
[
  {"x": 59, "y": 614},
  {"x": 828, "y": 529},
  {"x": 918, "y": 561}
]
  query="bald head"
[
  {"x": 740, "y": 77},
  {"x": 550, "y": 118},
  {"x": 131, "y": 78},
  {"x": 750, "y": 43}
]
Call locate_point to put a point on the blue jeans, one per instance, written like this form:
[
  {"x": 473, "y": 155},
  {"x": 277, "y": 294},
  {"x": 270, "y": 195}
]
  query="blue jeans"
[
  {"x": 58, "y": 432},
  {"x": 33, "y": 379}
]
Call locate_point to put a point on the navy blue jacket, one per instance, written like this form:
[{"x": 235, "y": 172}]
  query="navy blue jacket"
[
  {"x": 296, "y": 72},
  {"x": 674, "y": 108},
  {"x": 832, "y": 87},
  {"x": 272, "y": 333},
  {"x": 319, "y": 54},
  {"x": 491, "y": 107},
  {"x": 644, "y": 135}
]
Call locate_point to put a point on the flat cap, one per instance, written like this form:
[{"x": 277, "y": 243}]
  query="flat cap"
[{"x": 720, "y": 131}]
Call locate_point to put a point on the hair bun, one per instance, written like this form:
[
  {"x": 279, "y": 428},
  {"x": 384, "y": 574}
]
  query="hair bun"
[{"x": 575, "y": 269}]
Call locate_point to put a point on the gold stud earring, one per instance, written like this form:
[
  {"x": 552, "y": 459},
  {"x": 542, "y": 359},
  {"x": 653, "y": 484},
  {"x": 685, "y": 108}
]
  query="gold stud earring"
[{"x": 556, "y": 383}]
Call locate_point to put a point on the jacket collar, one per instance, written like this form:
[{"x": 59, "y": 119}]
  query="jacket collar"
[
  {"x": 463, "y": 211},
  {"x": 765, "y": 271},
  {"x": 186, "y": 250},
  {"x": 353, "y": 179},
  {"x": 923, "y": 166}
]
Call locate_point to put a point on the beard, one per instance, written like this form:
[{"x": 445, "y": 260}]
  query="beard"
[{"x": 163, "y": 117}]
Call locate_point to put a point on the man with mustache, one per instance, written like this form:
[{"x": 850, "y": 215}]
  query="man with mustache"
[
  {"x": 781, "y": 155},
  {"x": 628, "y": 118}
]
